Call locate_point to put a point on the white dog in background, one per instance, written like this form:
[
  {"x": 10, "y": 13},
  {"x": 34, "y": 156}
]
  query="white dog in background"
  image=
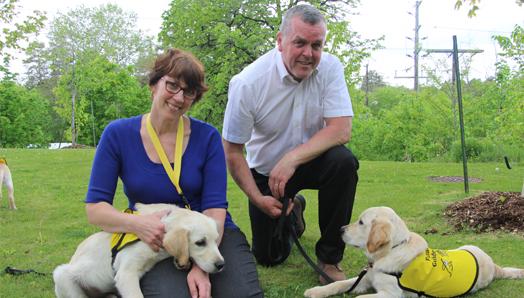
[
  {"x": 390, "y": 248},
  {"x": 7, "y": 181},
  {"x": 190, "y": 236}
]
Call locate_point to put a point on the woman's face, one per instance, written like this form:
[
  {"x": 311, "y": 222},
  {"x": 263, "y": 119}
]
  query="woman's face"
[{"x": 171, "y": 98}]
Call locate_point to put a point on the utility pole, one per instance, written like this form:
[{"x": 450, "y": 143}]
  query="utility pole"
[
  {"x": 73, "y": 100},
  {"x": 456, "y": 71},
  {"x": 456, "y": 78},
  {"x": 367, "y": 85},
  {"x": 416, "y": 50}
]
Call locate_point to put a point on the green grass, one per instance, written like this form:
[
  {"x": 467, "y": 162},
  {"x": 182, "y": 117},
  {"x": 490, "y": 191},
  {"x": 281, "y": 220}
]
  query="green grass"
[{"x": 50, "y": 186}]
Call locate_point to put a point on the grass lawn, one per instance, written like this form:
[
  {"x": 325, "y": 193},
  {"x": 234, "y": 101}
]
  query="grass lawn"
[{"x": 50, "y": 221}]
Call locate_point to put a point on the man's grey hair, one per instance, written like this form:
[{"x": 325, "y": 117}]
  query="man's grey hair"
[{"x": 307, "y": 13}]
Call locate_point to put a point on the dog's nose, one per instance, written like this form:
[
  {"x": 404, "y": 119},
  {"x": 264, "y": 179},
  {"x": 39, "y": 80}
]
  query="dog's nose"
[
  {"x": 219, "y": 265},
  {"x": 342, "y": 229}
]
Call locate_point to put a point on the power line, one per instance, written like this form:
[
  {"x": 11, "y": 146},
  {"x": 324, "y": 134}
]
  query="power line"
[{"x": 469, "y": 29}]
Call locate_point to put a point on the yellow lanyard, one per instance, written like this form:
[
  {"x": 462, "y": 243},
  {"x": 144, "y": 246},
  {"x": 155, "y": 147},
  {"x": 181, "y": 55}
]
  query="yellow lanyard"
[{"x": 174, "y": 172}]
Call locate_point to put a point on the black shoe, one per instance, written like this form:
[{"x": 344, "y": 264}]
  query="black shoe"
[{"x": 298, "y": 214}]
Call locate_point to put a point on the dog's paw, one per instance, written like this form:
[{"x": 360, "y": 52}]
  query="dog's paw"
[
  {"x": 182, "y": 263},
  {"x": 315, "y": 292}
]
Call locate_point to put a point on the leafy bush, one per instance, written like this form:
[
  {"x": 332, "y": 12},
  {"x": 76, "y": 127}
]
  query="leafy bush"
[{"x": 24, "y": 117}]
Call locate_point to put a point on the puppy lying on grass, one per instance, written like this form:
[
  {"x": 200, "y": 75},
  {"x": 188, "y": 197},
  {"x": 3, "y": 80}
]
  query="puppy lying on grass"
[
  {"x": 190, "y": 236},
  {"x": 399, "y": 261}
]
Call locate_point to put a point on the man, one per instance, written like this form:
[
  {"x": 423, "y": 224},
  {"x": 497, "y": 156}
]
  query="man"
[{"x": 292, "y": 110}]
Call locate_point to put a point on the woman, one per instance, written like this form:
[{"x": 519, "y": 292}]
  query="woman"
[{"x": 127, "y": 151}]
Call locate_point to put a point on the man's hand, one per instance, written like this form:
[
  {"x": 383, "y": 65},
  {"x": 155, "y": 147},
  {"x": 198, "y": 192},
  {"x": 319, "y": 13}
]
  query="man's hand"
[
  {"x": 271, "y": 206},
  {"x": 336, "y": 132},
  {"x": 280, "y": 175}
]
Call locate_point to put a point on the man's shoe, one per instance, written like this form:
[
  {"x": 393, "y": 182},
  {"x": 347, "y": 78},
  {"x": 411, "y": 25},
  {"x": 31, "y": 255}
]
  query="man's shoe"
[
  {"x": 298, "y": 213},
  {"x": 332, "y": 270}
]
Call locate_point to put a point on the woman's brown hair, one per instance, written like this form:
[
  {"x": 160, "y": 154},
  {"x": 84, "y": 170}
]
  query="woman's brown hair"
[{"x": 183, "y": 66}]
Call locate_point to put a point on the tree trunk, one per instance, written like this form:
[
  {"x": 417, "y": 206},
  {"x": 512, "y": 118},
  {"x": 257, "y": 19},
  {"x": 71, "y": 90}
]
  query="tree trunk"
[{"x": 73, "y": 128}]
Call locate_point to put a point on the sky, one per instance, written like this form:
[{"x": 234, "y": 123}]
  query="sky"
[{"x": 438, "y": 21}]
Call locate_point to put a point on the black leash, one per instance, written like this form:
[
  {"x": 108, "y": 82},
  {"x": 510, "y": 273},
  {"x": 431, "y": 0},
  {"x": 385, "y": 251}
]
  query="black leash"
[
  {"x": 359, "y": 278},
  {"x": 282, "y": 224},
  {"x": 16, "y": 272},
  {"x": 506, "y": 161}
]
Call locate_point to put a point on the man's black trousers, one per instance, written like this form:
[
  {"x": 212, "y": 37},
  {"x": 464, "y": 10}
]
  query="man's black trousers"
[{"x": 334, "y": 174}]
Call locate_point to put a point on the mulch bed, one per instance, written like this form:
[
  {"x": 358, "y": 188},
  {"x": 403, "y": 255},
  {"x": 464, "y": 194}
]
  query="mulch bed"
[{"x": 489, "y": 211}]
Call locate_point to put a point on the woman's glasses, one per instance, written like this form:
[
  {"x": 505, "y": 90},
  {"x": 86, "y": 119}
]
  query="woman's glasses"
[{"x": 174, "y": 88}]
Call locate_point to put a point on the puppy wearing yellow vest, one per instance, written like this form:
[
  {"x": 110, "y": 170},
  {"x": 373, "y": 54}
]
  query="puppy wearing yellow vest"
[
  {"x": 402, "y": 265},
  {"x": 7, "y": 181}
]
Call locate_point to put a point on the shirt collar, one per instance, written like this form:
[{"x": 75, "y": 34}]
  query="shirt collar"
[{"x": 281, "y": 68}]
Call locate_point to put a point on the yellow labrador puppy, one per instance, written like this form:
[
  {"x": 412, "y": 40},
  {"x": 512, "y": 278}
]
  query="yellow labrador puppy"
[
  {"x": 402, "y": 265},
  {"x": 190, "y": 236},
  {"x": 7, "y": 181}
]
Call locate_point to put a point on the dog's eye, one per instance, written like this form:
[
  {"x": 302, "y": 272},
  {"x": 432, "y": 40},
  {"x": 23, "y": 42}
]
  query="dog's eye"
[
  {"x": 201, "y": 242},
  {"x": 360, "y": 222}
]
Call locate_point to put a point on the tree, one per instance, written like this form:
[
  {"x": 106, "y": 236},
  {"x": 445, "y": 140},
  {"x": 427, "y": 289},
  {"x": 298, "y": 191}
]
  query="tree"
[
  {"x": 513, "y": 46},
  {"x": 13, "y": 35},
  {"x": 510, "y": 89},
  {"x": 106, "y": 31},
  {"x": 23, "y": 117},
  {"x": 230, "y": 34},
  {"x": 104, "y": 91},
  {"x": 372, "y": 80},
  {"x": 86, "y": 33},
  {"x": 473, "y": 5}
]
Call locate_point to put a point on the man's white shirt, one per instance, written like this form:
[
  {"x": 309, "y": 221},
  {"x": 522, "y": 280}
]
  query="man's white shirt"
[{"x": 272, "y": 113}]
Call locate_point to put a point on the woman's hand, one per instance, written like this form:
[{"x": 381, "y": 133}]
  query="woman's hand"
[
  {"x": 150, "y": 229},
  {"x": 198, "y": 283}
]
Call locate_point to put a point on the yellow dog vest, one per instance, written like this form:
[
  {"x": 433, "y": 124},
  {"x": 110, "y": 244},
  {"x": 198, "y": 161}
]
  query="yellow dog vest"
[
  {"x": 121, "y": 240},
  {"x": 440, "y": 273}
]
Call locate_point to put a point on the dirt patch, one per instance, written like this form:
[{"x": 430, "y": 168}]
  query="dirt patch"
[
  {"x": 489, "y": 211},
  {"x": 453, "y": 179}
]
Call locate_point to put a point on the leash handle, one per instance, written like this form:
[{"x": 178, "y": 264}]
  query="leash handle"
[
  {"x": 13, "y": 271},
  {"x": 506, "y": 160}
]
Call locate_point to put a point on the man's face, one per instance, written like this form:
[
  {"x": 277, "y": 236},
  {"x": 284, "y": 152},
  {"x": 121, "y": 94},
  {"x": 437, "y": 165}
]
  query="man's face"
[{"x": 301, "y": 47}]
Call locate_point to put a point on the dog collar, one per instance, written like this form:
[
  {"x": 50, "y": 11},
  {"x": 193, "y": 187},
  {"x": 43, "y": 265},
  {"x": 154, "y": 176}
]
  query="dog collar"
[{"x": 400, "y": 243}]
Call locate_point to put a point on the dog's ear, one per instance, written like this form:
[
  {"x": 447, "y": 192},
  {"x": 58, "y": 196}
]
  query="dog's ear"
[
  {"x": 176, "y": 243},
  {"x": 379, "y": 235}
]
